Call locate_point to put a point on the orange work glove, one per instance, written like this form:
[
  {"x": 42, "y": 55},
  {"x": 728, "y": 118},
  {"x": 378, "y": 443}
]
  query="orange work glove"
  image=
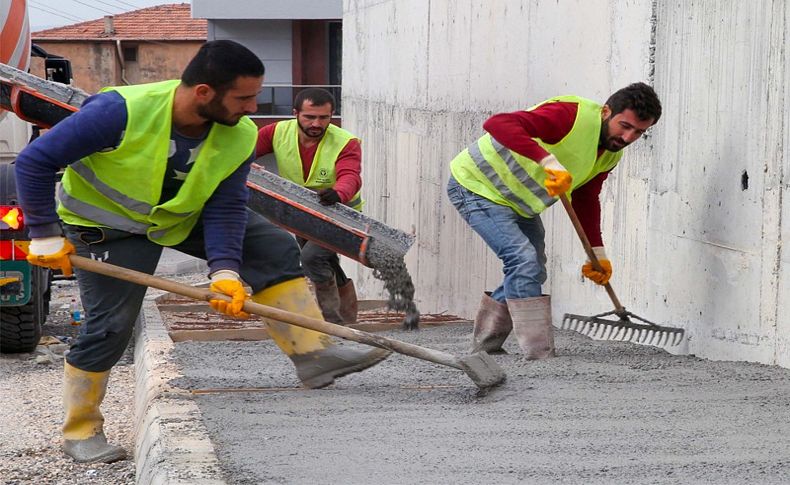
[
  {"x": 51, "y": 252},
  {"x": 599, "y": 277},
  {"x": 228, "y": 283},
  {"x": 558, "y": 180}
]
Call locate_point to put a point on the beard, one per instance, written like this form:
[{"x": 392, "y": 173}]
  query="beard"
[
  {"x": 216, "y": 112},
  {"x": 610, "y": 143},
  {"x": 312, "y": 132}
]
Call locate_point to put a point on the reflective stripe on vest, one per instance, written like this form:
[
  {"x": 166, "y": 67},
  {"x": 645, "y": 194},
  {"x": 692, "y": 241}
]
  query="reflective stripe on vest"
[
  {"x": 116, "y": 196},
  {"x": 101, "y": 216},
  {"x": 121, "y": 188},
  {"x": 322, "y": 172},
  {"x": 490, "y": 174}
]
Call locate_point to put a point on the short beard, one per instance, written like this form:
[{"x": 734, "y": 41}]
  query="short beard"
[
  {"x": 308, "y": 134},
  {"x": 215, "y": 112},
  {"x": 605, "y": 140}
]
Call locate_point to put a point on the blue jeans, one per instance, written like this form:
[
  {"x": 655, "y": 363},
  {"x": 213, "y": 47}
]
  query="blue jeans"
[{"x": 517, "y": 241}]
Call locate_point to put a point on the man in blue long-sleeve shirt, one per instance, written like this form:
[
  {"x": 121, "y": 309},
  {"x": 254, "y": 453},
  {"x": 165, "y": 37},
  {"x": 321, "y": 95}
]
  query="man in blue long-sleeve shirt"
[{"x": 164, "y": 164}]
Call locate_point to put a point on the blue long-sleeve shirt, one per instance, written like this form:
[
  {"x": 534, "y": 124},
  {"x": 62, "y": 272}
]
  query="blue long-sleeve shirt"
[{"x": 99, "y": 126}]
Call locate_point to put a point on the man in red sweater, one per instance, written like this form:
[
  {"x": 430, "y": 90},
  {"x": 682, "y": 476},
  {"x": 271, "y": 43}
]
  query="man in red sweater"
[
  {"x": 316, "y": 154},
  {"x": 502, "y": 182}
]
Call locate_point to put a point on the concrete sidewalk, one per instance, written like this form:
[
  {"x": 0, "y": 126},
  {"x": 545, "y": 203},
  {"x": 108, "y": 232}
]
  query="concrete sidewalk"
[{"x": 172, "y": 445}]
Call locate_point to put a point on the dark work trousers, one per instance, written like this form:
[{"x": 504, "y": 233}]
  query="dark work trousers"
[
  {"x": 321, "y": 264},
  {"x": 270, "y": 256}
]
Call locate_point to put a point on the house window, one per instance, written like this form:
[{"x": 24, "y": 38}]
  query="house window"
[{"x": 130, "y": 54}]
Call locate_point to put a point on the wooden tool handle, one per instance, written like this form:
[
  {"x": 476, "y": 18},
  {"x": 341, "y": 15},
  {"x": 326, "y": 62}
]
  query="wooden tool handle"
[
  {"x": 267, "y": 312},
  {"x": 618, "y": 307}
]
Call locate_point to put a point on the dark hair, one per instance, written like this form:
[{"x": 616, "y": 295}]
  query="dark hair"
[
  {"x": 219, "y": 62},
  {"x": 317, "y": 97},
  {"x": 638, "y": 97}
]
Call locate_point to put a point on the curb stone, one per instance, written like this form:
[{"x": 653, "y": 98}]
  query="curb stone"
[{"x": 172, "y": 444}]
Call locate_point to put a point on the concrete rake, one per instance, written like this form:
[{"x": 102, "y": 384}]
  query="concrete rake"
[{"x": 624, "y": 328}]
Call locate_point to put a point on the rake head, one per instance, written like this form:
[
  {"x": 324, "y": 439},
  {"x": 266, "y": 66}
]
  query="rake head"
[{"x": 623, "y": 329}]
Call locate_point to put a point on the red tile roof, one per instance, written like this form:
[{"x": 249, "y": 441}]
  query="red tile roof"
[{"x": 163, "y": 22}]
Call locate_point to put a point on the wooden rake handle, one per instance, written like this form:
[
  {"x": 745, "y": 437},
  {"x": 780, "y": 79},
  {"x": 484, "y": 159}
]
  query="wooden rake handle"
[
  {"x": 619, "y": 309},
  {"x": 303, "y": 321}
]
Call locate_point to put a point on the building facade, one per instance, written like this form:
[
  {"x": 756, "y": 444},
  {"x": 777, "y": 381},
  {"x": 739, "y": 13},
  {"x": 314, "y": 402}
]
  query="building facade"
[{"x": 140, "y": 46}]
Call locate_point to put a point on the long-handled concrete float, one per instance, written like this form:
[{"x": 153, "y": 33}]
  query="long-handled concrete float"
[{"x": 480, "y": 367}]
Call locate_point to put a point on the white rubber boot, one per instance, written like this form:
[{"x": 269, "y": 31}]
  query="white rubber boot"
[{"x": 532, "y": 326}]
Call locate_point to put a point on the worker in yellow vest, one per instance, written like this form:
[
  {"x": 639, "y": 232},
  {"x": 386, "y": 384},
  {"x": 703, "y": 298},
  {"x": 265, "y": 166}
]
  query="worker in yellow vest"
[
  {"x": 504, "y": 180},
  {"x": 316, "y": 154},
  {"x": 164, "y": 164}
]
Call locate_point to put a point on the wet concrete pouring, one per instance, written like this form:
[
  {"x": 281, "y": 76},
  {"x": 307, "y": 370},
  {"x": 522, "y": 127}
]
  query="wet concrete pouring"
[
  {"x": 601, "y": 412},
  {"x": 341, "y": 229}
]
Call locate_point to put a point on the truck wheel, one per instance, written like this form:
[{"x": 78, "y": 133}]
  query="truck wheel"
[
  {"x": 19, "y": 329},
  {"x": 20, "y": 326}
]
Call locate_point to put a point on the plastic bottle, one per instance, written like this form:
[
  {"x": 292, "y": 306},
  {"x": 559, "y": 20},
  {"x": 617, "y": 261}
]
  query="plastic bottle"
[{"x": 75, "y": 312}]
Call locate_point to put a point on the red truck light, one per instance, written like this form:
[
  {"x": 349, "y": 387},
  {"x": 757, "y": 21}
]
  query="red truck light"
[{"x": 11, "y": 218}]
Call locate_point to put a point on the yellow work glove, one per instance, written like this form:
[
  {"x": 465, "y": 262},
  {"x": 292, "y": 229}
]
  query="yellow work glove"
[
  {"x": 599, "y": 277},
  {"x": 228, "y": 283},
  {"x": 51, "y": 252},
  {"x": 558, "y": 180}
]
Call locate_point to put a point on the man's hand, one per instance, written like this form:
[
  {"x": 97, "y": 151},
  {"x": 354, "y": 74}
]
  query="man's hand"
[
  {"x": 599, "y": 277},
  {"x": 51, "y": 252},
  {"x": 228, "y": 283},
  {"x": 328, "y": 196},
  {"x": 558, "y": 180}
]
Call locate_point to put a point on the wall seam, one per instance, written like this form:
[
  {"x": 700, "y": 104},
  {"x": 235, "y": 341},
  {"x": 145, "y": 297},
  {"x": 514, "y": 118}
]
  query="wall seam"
[{"x": 781, "y": 149}]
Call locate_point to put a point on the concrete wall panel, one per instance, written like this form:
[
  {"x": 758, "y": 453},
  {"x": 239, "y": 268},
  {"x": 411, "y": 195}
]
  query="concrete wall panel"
[{"x": 693, "y": 218}]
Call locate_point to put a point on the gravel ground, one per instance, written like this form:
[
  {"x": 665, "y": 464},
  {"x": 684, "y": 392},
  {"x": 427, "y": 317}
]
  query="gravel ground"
[{"x": 31, "y": 413}]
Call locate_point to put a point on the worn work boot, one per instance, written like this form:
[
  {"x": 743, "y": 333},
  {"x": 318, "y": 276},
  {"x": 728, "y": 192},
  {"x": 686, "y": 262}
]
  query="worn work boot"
[
  {"x": 348, "y": 302},
  {"x": 83, "y": 436},
  {"x": 320, "y": 368},
  {"x": 318, "y": 360},
  {"x": 492, "y": 325},
  {"x": 328, "y": 298},
  {"x": 532, "y": 326}
]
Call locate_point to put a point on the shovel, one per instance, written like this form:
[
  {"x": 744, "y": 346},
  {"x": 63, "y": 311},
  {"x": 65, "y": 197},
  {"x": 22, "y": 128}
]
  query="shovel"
[
  {"x": 624, "y": 328},
  {"x": 480, "y": 367}
]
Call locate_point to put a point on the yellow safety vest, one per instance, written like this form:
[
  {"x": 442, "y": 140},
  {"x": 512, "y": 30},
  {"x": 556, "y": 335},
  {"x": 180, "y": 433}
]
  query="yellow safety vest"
[
  {"x": 507, "y": 178},
  {"x": 121, "y": 188},
  {"x": 322, "y": 173}
]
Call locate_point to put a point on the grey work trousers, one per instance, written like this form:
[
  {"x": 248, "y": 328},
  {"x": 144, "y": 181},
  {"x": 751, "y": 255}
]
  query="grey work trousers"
[
  {"x": 270, "y": 256},
  {"x": 321, "y": 264}
]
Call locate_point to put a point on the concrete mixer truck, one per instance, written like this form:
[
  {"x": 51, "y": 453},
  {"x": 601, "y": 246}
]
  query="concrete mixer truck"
[{"x": 24, "y": 288}]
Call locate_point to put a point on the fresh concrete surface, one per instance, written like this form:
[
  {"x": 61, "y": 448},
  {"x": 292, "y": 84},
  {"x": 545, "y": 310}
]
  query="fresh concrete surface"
[{"x": 601, "y": 412}]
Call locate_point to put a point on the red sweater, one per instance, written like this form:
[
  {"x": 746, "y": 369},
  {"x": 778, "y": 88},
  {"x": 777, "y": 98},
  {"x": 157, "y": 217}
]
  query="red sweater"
[
  {"x": 348, "y": 166},
  {"x": 551, "y": 123}
]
